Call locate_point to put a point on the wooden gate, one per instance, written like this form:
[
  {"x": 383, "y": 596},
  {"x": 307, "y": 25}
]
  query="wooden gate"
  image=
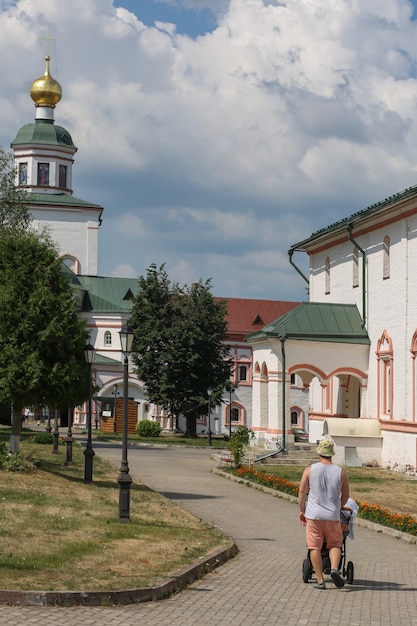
[{"x": 107, "y": 426}]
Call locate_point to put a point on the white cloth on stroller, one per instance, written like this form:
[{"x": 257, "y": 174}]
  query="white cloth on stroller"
[{"x": 351, "y": 504}]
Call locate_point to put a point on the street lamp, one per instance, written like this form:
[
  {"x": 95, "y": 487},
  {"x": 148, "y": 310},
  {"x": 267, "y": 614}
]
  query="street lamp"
[
  {"x": 69, "y": 438},
  {"x": 89, "y": 452},
  {"x": 209, "y": 392},
  {"x": 115, "y": 388},
  {"x": 55, "y": 433},
  {"x": 124, "y": 479},
  {"x": 230, "y": 411}
]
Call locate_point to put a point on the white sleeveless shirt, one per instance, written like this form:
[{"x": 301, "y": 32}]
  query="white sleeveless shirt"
[{"x": 324, "y": 495}]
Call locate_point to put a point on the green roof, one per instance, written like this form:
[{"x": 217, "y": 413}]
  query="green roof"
[
  {"x": 58, "y": 199},
  {"x": 104, "y": 294},
  {"x": 43, "y": 132},
  {"x": 316, "y": 321},
  {"x": 407, "y": 194},
  {"x": 100, "y": 359}
]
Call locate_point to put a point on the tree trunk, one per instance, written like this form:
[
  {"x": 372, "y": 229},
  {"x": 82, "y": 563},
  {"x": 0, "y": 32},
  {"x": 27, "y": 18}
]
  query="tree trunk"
[
  {"x": 14, "y": 441},
  {"x": 191, "y": 428}
]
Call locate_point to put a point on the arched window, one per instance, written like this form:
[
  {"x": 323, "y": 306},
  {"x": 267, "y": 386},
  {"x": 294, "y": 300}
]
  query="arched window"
[
  {"x": 327, "y": 275},
  {"x": 294, "y": 418},
  {"x": 71, "y": 262},
  {"x": 235, "y": 414},
  {"x": 107, "y": 338},
  {"x": 355, "y": 268},
  {"x": 386, "y": 257}
]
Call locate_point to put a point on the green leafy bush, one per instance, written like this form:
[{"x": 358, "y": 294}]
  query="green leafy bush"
[
  {"x": 239, "y": 441},
  {"x": 147, "y": 428},
  {"x": 12, "y": 462},
  {"x": 3, "y": 453},
  {"x": 20, "y": 462},
  {"x": 44, "y": 438}
]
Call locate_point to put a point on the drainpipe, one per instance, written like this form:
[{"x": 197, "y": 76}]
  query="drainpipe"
[
  {"x": 355, "y": 243},
  {"x": 284, "y": 368},
  {"x": 290, "y": 253}
]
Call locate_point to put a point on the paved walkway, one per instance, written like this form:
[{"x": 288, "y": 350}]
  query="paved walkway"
[{"x": 263, "y": 585}]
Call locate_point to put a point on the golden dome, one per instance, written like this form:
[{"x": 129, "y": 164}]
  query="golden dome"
[{"x": 46, "y": 91}]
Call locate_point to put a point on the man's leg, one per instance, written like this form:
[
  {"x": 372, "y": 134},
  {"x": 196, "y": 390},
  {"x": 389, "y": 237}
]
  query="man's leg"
[
  {"x": 335, "y": 555},
  {"x": 314, "y": 537},
  {"x": 317, "y": 563}
]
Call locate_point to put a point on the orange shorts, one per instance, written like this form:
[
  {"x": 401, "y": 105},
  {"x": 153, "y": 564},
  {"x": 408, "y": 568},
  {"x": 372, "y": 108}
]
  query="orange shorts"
[{"x": 318, "y": 531}]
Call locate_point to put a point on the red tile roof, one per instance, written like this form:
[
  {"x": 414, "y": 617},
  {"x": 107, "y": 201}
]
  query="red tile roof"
[{"x": 247, "y": 315}]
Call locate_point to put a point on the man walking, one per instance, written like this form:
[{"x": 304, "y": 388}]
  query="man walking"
[{"x": 327, "y": 486}]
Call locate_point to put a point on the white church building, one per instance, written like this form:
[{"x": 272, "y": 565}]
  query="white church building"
[{"x": 354, "y": 344}]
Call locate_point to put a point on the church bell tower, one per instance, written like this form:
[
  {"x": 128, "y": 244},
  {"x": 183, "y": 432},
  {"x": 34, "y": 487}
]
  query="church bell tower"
[{"x": 44, "y": 156}]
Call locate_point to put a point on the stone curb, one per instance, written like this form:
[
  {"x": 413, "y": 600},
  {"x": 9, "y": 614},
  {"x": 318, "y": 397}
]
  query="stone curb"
[
  {"x": 384, "y": 530},
  {"x": 165, "y": 588}
]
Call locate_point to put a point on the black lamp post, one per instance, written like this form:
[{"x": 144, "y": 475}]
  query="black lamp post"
[
  {"x": 124, "y": 479},
  {"x": 209, "y": 392},
  {"x": 69, "y": 438},
  {"x": 115, "y": 388},
  {"x": 55, "y": 434},
  {"x": 48, "y": 427},
  {"x": 230, "y": 412},
  {"x": 89, "y": 452}
]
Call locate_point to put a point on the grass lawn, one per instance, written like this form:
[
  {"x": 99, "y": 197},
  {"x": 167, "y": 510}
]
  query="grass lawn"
[{"x": 58, "y": 533}]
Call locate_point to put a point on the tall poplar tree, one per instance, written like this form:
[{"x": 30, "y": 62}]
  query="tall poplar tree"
[{"x": 179, "y": 347}]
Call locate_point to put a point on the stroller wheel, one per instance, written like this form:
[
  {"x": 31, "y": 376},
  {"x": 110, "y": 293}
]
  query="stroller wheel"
[
  {"x": 307, "y": 570},
  {"x": 349, "y": 572}
]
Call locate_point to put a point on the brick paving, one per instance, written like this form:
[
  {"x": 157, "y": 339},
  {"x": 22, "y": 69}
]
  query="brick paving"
[{"x": 263, "y": 585}]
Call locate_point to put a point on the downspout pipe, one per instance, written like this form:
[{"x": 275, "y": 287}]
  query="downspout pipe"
[
  {"x": 290, "y": 254},
  {"x": 283, "y": 395},
  {"x": 355, "y": 243}
]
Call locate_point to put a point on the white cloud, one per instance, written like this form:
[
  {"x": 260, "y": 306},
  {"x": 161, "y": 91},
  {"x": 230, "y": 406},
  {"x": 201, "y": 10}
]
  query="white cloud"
[
  {"x": 216, "y": 153},
  {"x": 124, "y": 271}
]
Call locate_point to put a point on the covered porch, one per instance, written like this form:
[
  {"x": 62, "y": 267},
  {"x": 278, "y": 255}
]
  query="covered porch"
[{"x": 327, "y": 346}]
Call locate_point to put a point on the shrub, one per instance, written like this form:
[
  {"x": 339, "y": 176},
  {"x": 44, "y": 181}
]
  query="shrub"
[
  {"x": 239, "y": 442},
  {"x": 20, "y": 463},
  {"x": 43, "y": 438},
  {"x": 147, "y": 428},
  {"x": 3, "y": 453}
]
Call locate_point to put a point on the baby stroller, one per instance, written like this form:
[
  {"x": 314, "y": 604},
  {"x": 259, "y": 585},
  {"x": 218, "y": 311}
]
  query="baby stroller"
[{"x": 347, "y": 515}]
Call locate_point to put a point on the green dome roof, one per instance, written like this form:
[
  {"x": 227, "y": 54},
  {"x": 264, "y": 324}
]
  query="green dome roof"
[{"x": 43, "y": 132}]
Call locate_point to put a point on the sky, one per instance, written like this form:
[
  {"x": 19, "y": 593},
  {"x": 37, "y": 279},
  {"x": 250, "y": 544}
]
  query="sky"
[{"x": 218, "y": 133}]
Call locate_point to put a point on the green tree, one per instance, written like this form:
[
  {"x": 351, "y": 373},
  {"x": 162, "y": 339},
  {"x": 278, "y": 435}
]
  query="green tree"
[
  {"x": 179, "y": 347},
  {"x": 13, "y": 202},
  {"x": 41, "y": 337}
]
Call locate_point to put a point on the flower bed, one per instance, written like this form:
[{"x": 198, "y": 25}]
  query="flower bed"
[
  {"x": 267, "y": 480},
  {"x": 399, "y": 521}
]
